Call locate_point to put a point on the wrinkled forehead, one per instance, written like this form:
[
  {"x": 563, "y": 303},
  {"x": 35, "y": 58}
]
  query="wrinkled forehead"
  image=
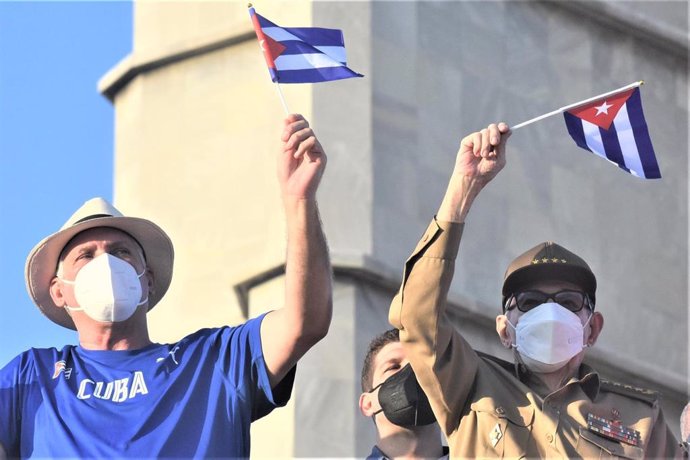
[{"x": 106, "y": 235}]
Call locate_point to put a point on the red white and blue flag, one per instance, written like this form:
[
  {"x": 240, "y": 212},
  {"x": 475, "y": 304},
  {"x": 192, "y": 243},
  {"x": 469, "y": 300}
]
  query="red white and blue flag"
[
  {"x": 301, "y": 54},
  {"x": 615, "y": 129}
]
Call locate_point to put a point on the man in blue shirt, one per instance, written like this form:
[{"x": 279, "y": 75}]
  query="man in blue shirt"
[{"x": 118, "y": 394}]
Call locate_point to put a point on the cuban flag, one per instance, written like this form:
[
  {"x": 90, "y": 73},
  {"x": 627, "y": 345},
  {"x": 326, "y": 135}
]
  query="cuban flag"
[
  {"x": 615, "y": 129},
  {"x": 301, "y": 54}
]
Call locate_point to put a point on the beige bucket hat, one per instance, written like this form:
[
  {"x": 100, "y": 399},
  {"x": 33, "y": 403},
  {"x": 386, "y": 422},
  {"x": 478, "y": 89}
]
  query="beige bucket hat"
[{"x": 42, "y": 262}]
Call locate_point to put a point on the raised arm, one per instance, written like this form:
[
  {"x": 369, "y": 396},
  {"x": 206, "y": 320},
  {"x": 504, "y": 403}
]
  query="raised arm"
[
  {"x": 287, "y": 333},
  {"x": 445, "y": 365}
]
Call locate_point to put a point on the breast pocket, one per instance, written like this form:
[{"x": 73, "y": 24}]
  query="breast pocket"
[
  {"x": 504, "y": 432},
  {"x": 592, "y": 445}
]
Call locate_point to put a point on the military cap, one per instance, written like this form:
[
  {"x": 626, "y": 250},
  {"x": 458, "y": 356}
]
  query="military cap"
[{"x": 548, "y": 261}]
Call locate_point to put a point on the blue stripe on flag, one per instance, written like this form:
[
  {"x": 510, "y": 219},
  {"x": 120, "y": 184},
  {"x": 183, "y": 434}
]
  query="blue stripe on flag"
[
  {"x": 318, "y": 36},
  {"x": 575, "y": 130},
  {"x": 315, "y": 75},
  {"x": 642, "y": 139},
  {"x": 612, "y": 148}
]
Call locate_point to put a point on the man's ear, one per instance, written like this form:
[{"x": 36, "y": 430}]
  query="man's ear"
[
  {"x": 596, "y": 324},
  {"x": 151, "y": 278},
  {"x": 502, "y": 330},
  {"x": 56, "y": 292},
  {"x": 366, "y": 404}
]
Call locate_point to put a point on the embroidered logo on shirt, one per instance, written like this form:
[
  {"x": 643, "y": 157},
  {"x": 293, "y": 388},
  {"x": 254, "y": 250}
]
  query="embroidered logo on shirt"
[
  {"x": 172, "y": 354},
  {"x": 61, "y": 367}
]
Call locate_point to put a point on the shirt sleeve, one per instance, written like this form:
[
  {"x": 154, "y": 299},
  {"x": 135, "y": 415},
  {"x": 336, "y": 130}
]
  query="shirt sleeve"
[
  {"x": 241, "y": 358},
  {"x": 13, "y": 379},
  {"x": 444, "y": 363}
]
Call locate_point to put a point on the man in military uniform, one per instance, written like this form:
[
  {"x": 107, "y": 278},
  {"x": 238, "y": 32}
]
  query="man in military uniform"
[{"x": 547, "y": 403}]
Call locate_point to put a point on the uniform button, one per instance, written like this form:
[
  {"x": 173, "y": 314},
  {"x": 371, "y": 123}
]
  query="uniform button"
[
  {"x": 500, "y": 410},
  {"x": 549, "y": 437}
]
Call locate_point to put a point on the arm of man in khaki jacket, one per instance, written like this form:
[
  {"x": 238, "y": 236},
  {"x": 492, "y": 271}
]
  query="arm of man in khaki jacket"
[{"x": 444, "y": 363}]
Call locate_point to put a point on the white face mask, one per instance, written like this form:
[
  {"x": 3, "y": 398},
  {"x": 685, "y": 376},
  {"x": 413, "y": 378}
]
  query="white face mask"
[
  {"x": 107, "y": 289},
  {"x": 548, "y": 336}
]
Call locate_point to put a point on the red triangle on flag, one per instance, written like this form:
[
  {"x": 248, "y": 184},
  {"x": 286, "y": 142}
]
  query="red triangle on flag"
[
  {"x": 603, "y": 111},
  {"x": 271, "y": 48}
]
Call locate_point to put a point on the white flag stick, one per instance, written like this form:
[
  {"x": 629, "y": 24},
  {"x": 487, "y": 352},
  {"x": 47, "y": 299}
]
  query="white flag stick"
[
  {"x": 282, "y": 99},
  {"x": 577, "y": 104}
]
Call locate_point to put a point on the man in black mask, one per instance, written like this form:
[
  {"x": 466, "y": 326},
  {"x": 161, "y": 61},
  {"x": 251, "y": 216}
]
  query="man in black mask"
[{"x": 391, "y": 396}]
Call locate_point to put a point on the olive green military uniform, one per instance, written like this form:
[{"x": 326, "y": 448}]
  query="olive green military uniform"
[{"x": 488, "y": 408}]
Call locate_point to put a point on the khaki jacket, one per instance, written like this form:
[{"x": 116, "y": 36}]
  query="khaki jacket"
[{"x": 488, "y": 409}]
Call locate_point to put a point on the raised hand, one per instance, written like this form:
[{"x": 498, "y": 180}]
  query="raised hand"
[
  {"x": 482, "y": 154},
  {"x": 302, "y": 161},
  {"x": 480, "y": 158}
]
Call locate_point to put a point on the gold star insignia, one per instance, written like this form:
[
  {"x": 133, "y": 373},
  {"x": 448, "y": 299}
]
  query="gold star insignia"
[
  {"x": 544, "y": 260},
  {"x": 554, "y": 260},
  {"x": 535, "y": 261}
]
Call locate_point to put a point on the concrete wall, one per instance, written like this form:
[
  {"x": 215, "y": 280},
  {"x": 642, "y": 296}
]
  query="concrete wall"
[{"x": 197, "y": 126}]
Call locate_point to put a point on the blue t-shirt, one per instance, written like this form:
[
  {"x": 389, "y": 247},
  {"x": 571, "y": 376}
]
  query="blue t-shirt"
[{"x": 194, "y": 398}]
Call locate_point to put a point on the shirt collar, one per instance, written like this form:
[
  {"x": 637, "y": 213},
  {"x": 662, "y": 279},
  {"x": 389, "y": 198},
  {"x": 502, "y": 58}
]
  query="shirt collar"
[
  {"x": 587, "y": 378},
  {"x": 589, "y": 381}
]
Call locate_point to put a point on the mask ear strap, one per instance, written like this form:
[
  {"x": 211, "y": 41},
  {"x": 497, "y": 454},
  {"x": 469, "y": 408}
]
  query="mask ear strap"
[
  {"x": 586, "y": 345},
  {"x": 512, "y": 345},
  {"x": 518, "y": 363},
  {"x": 376, "y": 387}
]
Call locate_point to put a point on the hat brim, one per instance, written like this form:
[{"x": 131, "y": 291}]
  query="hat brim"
[
  {"x": 42, "y": 262},
  {"x": 550, "y": 272}
]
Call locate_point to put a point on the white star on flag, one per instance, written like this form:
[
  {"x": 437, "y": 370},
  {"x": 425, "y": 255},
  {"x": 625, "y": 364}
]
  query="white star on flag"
[{"x": 603, "y": 108}]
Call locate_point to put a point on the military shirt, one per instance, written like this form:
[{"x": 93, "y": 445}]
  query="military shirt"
[{"x": 488, "y": 409}]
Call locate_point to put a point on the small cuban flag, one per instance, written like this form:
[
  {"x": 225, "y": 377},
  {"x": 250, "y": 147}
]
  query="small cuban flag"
[
  {"x": 614, "y": 128},
  {"x": 301, "y": 54}
]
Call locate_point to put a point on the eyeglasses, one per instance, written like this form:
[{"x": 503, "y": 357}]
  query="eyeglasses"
[{"x": 527, "y": 300}]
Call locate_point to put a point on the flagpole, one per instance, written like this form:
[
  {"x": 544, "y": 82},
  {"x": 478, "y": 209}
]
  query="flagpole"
[
  {"x": 282, "y": 99},
  {"x": 577, "y": 104}
]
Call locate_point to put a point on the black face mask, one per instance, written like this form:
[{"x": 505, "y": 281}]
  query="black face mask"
[{"x": 402, "y": 400}]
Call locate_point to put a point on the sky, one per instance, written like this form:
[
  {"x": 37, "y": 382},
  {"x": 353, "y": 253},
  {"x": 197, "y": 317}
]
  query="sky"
[{"x": 56, "y": 139}]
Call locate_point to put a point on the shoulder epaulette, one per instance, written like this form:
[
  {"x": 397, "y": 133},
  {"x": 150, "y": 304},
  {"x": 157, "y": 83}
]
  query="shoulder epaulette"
[{"x": 648, "y": 396}]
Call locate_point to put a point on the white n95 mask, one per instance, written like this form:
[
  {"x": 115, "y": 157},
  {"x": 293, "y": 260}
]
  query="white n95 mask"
[
  {"x": 548, "y": 336},
  {"x": 107, "y": 289}
]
